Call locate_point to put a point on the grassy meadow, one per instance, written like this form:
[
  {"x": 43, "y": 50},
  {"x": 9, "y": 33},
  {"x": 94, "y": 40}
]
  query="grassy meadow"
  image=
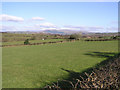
[{"x": 39, "y": 65}]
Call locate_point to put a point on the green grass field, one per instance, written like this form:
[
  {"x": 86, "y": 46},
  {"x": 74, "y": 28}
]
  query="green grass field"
[
  {"x": 36, "y": 66},
  {"x": 31, "y": 41}
]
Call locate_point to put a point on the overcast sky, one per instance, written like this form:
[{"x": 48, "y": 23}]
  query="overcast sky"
[{"x": 38, "y": 16}]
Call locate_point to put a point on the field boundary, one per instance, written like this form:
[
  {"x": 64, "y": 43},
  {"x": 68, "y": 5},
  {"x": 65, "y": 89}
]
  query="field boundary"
[
  {"x": 34, "y": 44},
  {"x": 52, "y": 42},
  {"x": 101, "y": 39}
]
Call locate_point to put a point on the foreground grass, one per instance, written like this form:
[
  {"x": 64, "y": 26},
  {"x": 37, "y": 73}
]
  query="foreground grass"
[
  {"x": 36, "y": 66},
  {"x": 105, "y": 75}
]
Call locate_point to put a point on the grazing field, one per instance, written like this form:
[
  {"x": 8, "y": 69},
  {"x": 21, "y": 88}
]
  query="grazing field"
[
  {"x": 37, "y": 66},
  {"x": 31, "y": 41}
]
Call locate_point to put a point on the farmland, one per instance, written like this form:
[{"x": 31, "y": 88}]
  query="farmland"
[
  {"x": 31, "y": 41},
  {"x": 60, "y": 45},
  {"x": 37, "y": 66}
]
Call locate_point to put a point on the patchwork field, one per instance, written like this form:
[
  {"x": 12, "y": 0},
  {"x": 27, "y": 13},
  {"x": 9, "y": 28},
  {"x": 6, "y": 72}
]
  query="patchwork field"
[
  {"x": 39, "y": 65},
  {"x": 31, "y": 41}
]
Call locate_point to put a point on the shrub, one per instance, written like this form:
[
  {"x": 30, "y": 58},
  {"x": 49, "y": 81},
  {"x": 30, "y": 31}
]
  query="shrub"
[
  {"x": 106, "y": 76},
  {"x": 75, "y": 36},
  {"x": 26, "y": 42}
]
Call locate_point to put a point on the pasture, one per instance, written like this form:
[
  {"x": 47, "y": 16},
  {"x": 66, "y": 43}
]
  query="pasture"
[
  {"x": 31, "y": 41},
  {"x": 39, "y": 65}
]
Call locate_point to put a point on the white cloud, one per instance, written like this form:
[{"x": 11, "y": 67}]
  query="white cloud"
[
  {"x": 95, "y": 27},
  {"x": 37, "y": 18},
  {"x": 112, "y": 28},
  {"x": 4, "y": 17},
  {"x": 114, "y": 22},
  {"x": 83, "y": 28},
  {"x": 0, "y": 27},
  {"x": 50, "y": 26},
  {"x": 46, "y": 25},
  {"x": 7, "y": 28},
  {"x": 72, "y": 27},
  {"x": 41, "y": 27},
  {"x": 38, "y": 27}
]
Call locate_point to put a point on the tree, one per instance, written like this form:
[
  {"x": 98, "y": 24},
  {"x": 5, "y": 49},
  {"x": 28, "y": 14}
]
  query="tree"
[
  {"x": 75, "y": 36},
  {"x": 26, "y": 42},
  {"x": 72, "y": 37}
]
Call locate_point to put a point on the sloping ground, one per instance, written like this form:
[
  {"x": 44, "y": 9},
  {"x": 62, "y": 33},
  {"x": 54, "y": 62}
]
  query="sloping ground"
[
  {"x": 106, "y": 76},
  {"x": 36, "y": 66},
  {"x": 31, "y": 44}
]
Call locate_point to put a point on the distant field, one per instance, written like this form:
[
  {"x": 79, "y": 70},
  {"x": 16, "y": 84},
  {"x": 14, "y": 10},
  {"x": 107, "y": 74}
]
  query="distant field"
[
  {"x": 16, "y": 37},
  {"x": 36, "y": 66},
  {"x": 31, "y": 41}
]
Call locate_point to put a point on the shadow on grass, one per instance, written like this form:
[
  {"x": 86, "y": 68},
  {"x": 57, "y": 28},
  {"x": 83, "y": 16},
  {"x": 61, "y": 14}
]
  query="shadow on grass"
[{"x": 71, "y": 80}]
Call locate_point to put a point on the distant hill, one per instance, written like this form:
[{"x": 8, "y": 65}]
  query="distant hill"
[
  {"x": 60, "y": 31},
  {"x": 53, "y": 32},
  {"x": 63, "y": 32}
]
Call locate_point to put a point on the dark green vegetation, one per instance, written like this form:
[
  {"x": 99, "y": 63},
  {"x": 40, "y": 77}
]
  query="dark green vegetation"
[
  {"x": 26, "y": 42},
  {"x": 75, "y": 36},
  {"x": 105, "y": 75},
  {"x": 37, "y": 66}
]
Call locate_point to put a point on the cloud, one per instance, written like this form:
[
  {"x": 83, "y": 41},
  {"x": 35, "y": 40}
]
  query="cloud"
[
  {"x": 50, "y": 26},
  {"x": 95, "y": 27},
  {"x": 112, "y": 28},
  {"x": 37, "y": 18},
  {"x": 71, "y": 26},
  {"x": 7, "y": 28},
  {"x": 41, "y": 27},
  {"x": 46, "y": 25},
  {"x": 83, "y": 28},
  {"x": 37, "y": 27},
  {"x": 4, "y": 17},
  {"x": 114, "y": 22}
]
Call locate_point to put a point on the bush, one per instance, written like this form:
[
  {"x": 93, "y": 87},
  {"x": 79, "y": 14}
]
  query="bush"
[
  {"x": 75, "y": 36},
  {"x": 105, "y": 76},
  {"x": 26, "y": 42}
]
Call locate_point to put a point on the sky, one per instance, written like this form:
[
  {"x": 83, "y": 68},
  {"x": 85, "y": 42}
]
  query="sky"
[{"x": 78, "y": 16}]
